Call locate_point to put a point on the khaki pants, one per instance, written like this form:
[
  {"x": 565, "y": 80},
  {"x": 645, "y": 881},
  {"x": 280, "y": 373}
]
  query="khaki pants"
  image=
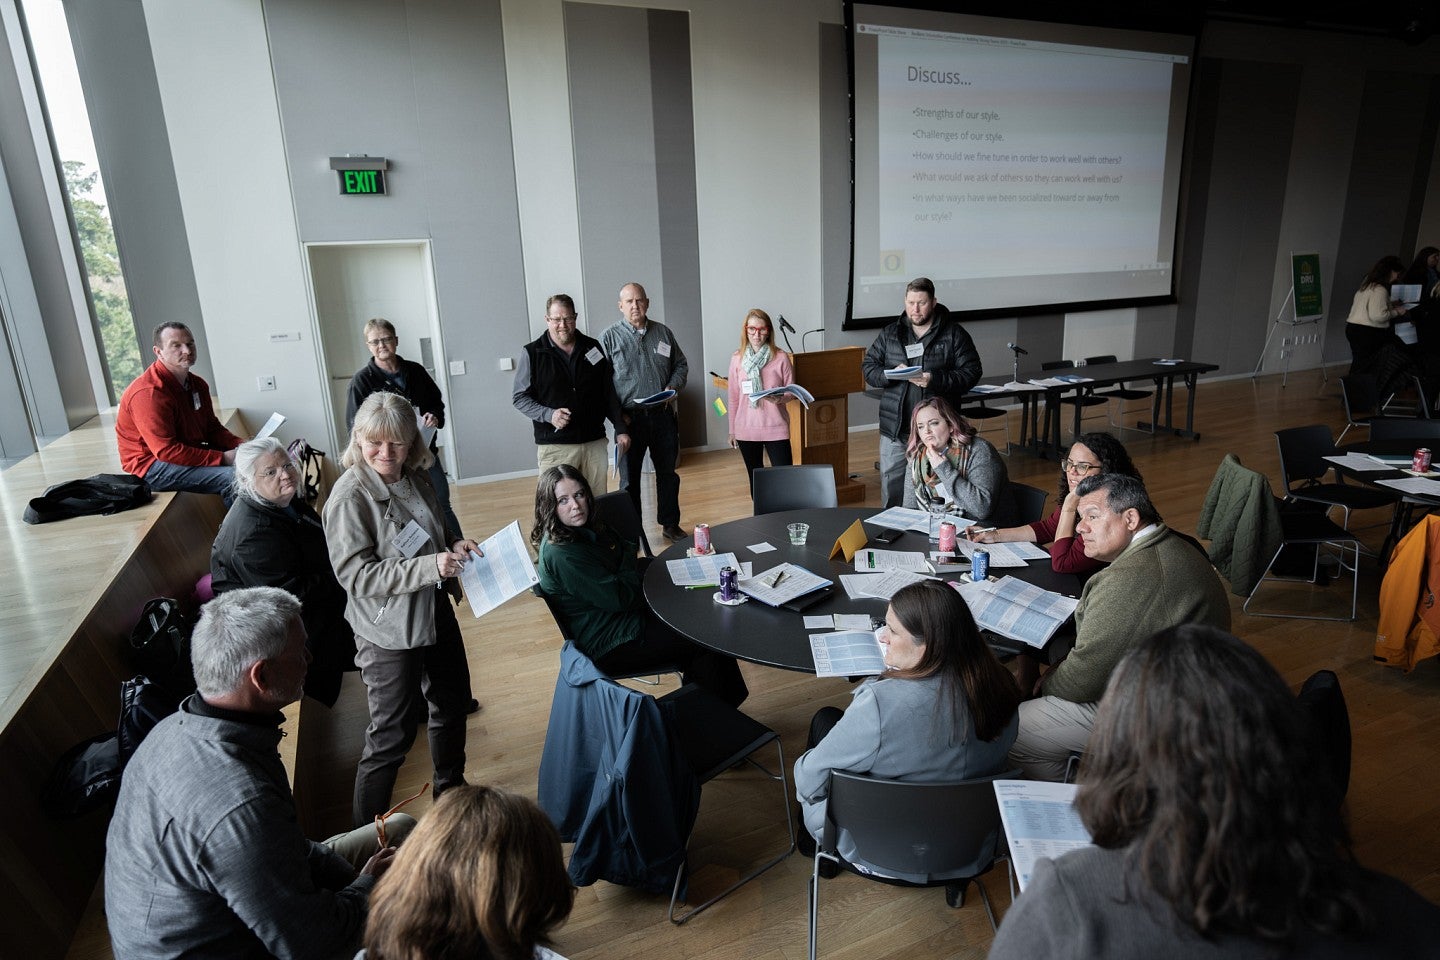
[
  {"x": 1050, "y": 730},
  {"x": 591, "y": 459}
]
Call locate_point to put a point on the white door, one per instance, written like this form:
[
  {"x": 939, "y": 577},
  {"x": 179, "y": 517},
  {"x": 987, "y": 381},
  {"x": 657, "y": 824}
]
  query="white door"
[{"x": 353, "y": 282}]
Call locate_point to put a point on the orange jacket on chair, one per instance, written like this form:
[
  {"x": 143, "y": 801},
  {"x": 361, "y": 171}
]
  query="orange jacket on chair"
[{"x": 1409, "y": 627}]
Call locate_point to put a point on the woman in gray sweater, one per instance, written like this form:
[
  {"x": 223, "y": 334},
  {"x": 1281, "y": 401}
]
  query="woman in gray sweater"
[
  {"x": 943, "y": 710},
  {"x": 948, "y": 466}
]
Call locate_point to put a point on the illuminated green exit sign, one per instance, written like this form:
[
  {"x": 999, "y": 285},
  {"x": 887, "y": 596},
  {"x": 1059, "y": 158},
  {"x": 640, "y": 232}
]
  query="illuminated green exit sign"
[{"x": 361, "y": 176}]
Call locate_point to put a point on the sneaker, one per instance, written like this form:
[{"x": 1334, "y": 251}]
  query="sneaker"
[{"x": 673, "y": 533}]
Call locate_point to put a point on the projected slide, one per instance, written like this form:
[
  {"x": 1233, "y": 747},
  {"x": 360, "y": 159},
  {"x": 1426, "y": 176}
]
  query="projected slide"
[{"x": 1013, "y": 164}]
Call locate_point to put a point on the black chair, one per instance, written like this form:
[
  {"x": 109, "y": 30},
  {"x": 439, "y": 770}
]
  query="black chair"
[
  {"x": 1397, "y": 428},
  {"x": 567, "y": 634},
  {"x": 934, "y": 830},
  {"x": 1303, "y": 467},
  {"x": 1029, "y": 503},
  {"x": 1117, "y": 396},
  {"x": 979, "y": 413},
  {"x": 1083, "y": 399},
  {"x": 618, "y": 511},
  {"x": 794, "y": 488}
]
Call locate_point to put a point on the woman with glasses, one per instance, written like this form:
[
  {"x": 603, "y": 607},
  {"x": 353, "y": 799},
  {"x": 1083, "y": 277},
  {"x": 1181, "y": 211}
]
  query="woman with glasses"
[
  {"x": 272, "y": 538},
  {"x": 389, "y": 371},
  {"x": 1091, "y": 455},
  {"x": 759, "y": 427},
  {"x": 949, "y": 468}
]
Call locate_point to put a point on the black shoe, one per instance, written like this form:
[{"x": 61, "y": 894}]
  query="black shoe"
[
  {"x": 473, "y": 706},
  {"x": 804, "y": 842},
  {"x": 673, "y": 533}
]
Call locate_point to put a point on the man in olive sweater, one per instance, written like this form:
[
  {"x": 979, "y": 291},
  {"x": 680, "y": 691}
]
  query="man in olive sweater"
[{"x": 1156, "y": 579}]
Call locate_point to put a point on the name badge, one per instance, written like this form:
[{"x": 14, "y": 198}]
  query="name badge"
[
  {"x": 914, "y": 350},
  {"x": 195, "y": 398},
  {"x": 747, "y": 387},
  {"x": 411, "y": 539},
  {"x": 662, "y": 348},
  {"x": 594, "y": 355}
]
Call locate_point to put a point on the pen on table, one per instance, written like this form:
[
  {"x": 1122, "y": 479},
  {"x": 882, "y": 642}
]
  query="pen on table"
[
  {"x": 702, "y": 586},
  {"x": 974, "y": 530},
  {"x": 778, "y": 577}
]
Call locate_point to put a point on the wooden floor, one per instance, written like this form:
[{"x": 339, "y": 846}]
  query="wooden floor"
[{"x": 1395, "y": 789}]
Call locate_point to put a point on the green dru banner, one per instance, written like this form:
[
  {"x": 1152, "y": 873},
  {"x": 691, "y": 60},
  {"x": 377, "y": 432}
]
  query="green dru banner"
[{"x": 1305, "y": 275}]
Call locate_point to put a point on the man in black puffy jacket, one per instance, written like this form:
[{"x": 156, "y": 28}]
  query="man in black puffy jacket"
[{"x": 923, "y": 336}]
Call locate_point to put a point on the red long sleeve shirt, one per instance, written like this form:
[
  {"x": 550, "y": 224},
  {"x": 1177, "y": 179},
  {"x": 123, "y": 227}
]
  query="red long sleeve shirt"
[{"x": 161, "y": 420}]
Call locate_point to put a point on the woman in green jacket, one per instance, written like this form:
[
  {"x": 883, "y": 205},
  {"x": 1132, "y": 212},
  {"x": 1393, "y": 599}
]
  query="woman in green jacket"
[{"x": 593, "y": 580}]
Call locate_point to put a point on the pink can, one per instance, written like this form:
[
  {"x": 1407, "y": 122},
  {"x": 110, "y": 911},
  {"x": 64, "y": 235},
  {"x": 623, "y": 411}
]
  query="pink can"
[
  {"x": 1420, "y": 463},
  {"x": 702, "y": 538},
  {"x": 947, "y": 537}
]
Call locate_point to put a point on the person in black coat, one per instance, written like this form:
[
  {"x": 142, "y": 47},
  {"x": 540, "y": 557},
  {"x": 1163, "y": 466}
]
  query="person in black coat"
[{"x": 272, "y": 538}]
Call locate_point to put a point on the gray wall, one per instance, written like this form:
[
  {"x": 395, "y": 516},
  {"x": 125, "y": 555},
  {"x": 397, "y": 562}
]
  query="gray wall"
[{"x": 422, "y": 83}]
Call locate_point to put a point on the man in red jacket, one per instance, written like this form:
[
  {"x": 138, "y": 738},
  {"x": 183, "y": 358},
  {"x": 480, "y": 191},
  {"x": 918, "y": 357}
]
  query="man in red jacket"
[{"x": 166, "y": 428}]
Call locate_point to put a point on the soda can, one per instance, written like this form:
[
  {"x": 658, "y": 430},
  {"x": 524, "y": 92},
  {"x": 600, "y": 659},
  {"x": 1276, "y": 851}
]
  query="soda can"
[
  {"x": 947, "y": 537},
  {"x": 729, "y": 584},
  {"x": 980, "y": 565},
  {"x": 1421, "y": 461},
  {"x": 702, "y": 538}
]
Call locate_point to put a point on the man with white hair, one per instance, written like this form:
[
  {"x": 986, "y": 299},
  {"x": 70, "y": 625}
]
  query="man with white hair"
[{"x": 205, "y": 857}]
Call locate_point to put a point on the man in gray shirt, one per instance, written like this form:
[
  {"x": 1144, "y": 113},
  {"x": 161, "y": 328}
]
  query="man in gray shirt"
[
  {"x": 205, "y": 858},
  {"x": 648, "y": 359}
]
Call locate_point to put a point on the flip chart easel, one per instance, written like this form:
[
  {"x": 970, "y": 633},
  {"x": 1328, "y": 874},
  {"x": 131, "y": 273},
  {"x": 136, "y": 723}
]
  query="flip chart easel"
[{"x": 1306, "y": 308}]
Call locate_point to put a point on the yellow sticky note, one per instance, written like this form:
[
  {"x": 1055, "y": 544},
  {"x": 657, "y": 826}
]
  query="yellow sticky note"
[{"x": 851, "y": 540}]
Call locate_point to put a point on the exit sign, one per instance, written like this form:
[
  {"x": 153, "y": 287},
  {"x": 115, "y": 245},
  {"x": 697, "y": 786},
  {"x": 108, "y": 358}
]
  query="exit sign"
[
  {"x": 362, "y": 182},
  {"x": 360, "y": 176}
]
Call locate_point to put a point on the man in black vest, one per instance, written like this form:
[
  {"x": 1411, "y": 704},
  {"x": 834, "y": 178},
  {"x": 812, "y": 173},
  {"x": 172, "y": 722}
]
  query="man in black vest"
[{"x": 564, "y": 384}]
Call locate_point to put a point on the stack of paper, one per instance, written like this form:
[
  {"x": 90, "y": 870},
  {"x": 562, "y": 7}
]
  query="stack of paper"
[
  {"x": 503, "y": 571},
  {"x": 702, "y": 571},
  {"x": 781, "y": 584},
  {"x": 878, "y": 586},
  {"x": 839, "y": 621},
  {"x": 1016, "y": 609},
  {"x": 908, "y": 518},
  {"x": 902, "y": 373},
  {"x": 853, "y": 653},
  {"x": 881, "y": 561},
  {"x": 1040, "y": 820},
  {"x": 794, "y": 389},
  {"x": 1016, "y": 554}
]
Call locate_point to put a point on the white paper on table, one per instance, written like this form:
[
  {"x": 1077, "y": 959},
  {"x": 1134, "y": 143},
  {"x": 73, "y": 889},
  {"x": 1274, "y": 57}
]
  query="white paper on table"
[
  {"x": 878, "y": 586},
  {"x": 503, "y": 571},
  {"x": 1016, "y": 609},
  {"x": 852, "y": 621},
  {"x": 271, "y": 425},
  {"x": 883, "y": 561},
  {"x": 986, "y": 388},
  {"x": 760, "y": 547},
  {"x": 1017, "y": 386},
  {"x": 1419, "y": 485},
  {"x": 700, "y": 571},
  {"x": 1359, "y": 462},
  {"x": 851, "y": 653},
  {"x": 1040, "y": 820},
  {"x": 1004, "y": 554},
  {"x": 819, "y": 623},
  {"x": 918, "y": 521},
  {"x": 796, "y": 582}
]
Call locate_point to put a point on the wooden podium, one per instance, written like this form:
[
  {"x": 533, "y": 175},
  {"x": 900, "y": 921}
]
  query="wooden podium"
[{"x": 821, "y": 434}]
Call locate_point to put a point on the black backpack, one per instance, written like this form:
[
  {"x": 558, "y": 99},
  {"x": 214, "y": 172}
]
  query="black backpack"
[{"x": 103, "y": 493}]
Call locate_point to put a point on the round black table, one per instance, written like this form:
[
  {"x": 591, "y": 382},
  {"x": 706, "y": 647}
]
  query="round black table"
[{"x": 774, "y": 637}]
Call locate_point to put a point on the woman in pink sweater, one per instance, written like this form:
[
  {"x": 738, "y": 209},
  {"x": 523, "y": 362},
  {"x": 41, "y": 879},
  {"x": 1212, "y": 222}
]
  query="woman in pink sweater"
[
  {"x": 759, "y": 427},
  {"x": 1091, "y": 455}
]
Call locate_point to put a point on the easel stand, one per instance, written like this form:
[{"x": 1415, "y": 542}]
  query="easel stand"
[{"x": 1293, "y": 323}]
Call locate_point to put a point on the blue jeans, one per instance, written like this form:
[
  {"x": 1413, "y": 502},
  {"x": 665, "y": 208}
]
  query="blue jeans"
[
  {"x": 173, "y": 476},
  {"x": 654, "y": 429}
]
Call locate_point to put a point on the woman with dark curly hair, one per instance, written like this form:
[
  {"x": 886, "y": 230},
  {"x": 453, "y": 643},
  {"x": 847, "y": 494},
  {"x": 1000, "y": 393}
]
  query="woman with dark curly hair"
[
  {"x": 481, "y": 877},
  {"x": 1091, "y": 454},
  {"x": 592, "y": 578},
  {"x": 1216, "y": 833}
]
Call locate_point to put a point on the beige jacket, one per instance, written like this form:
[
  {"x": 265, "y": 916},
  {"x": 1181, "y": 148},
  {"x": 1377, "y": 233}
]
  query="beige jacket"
[{"x": 391, "y": 597}]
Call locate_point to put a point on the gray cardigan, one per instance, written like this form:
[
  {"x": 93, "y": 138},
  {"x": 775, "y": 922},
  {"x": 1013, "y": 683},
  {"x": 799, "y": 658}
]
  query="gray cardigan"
[
  {"x": 892, "y": 730},
  {"x": 392, "y": 597},
  {"x": 983, "y": 494},
  {"x": 205, "y": 858}
]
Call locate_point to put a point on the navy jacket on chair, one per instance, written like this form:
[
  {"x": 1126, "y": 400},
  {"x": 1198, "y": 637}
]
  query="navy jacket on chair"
[{"x": 613, "y": 780}]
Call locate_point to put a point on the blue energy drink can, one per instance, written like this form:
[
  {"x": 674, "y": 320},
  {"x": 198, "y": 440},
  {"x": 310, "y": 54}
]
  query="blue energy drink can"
[
  {"x": 979, "y": 565},
  {"x": 729, "y": 584}
]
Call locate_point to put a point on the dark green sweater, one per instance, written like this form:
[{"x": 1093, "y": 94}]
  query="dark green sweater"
[{"x": 594, "y": 582}]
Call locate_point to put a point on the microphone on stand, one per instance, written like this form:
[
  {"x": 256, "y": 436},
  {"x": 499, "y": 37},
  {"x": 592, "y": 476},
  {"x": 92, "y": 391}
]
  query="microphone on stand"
[
  {"x": 786, "y": 328},
  {"x": 1015, "y": 367},
  {"x": 1018, "y": 350}
]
